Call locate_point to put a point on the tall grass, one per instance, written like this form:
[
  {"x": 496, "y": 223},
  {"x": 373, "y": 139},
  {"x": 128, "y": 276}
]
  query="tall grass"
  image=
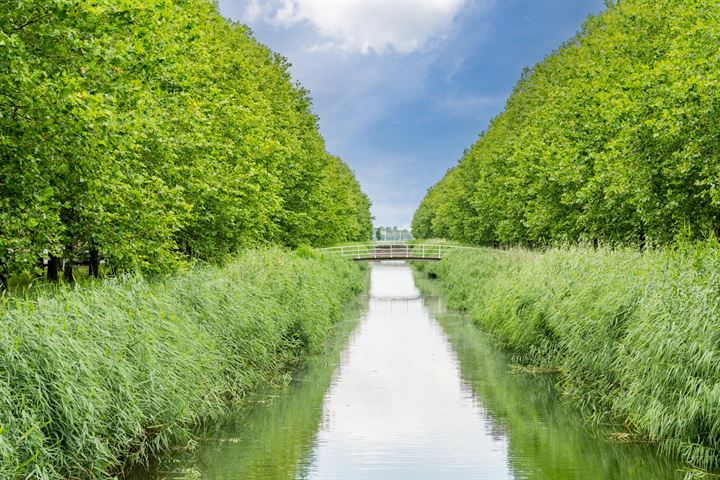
[
  {"x": 273, "y": 436},
  {"x": 92, "y": 377},
  {"x": 634, "y": 337}
]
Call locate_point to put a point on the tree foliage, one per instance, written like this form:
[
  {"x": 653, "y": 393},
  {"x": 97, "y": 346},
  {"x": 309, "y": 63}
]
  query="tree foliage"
[
  {"x": 150, "y": 131},
  {"x": 614, "y": 137}
]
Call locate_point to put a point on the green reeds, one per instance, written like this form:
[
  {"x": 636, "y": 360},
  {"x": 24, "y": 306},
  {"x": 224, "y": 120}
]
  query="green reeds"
[
  {"x": 634, "y": 336},
  {"x": 117, "y": 370}
]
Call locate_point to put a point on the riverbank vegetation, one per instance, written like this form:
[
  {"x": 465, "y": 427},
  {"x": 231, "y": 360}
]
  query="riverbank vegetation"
[
  {"x": 92, "y": 377},
  {"x": 610, "y": 142},
  {"x": 612, "y": 138},
  {"x": 142, "y": 134},
  {"x": 274, "y": 431},
  {"x": 632, "y": 336},
  {"x": 160, "y": 143},
  {"x": 547, "y": 438}
]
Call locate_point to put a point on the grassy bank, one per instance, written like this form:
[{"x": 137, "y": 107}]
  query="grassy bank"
[
  {"x": 276, "y": 430},
  {"x": 95, "y": 376},
  {"x": 634, "y": 337}
]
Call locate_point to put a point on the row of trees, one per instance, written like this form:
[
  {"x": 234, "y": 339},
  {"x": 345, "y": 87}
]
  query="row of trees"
[
  {"x": 614, "y": 137},
  {"x": 146, "y": 132}
]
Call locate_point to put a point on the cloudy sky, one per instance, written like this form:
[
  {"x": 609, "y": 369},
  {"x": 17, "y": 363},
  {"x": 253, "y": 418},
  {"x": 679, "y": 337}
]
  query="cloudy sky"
[{"x": 402, "y": 87}]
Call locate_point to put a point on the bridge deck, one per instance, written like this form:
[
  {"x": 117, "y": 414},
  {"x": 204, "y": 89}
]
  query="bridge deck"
[{"x": 394, "y": 257}]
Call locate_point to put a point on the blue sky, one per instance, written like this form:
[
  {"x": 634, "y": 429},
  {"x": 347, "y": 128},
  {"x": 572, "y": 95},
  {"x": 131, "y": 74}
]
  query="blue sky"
[{"x": 402, "y": 87}]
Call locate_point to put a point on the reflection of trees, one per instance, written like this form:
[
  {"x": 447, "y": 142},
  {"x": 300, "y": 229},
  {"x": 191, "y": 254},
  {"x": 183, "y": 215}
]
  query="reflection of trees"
[{"x": 546, "y": 439}]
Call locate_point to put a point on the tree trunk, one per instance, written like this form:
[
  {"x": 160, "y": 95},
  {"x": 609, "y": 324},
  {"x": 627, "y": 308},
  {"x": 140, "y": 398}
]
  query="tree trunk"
[
  {"x": 68, "y": 272},
  {"x": 53, "y": 268},
  {"x": 642, "y": 240},
  {"x": 94, "y": 263}
]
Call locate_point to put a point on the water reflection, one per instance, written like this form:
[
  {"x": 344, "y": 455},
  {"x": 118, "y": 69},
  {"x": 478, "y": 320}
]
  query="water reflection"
[
  {"x": 408, "y": 397},
  {"x": 397, "y": 408}
]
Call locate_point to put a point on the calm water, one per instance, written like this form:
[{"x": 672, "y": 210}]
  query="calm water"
[{"x": 412, "y": 394}]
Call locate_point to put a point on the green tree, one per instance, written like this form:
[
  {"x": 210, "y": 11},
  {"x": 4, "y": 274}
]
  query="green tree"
[
  {"x": 149, "y": 133},
  {"x": 611, "y": 138}
]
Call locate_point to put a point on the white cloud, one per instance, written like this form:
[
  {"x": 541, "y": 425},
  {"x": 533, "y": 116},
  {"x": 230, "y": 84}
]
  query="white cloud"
[
  {"x": 355, "y": 93},
  {"x": 253, "y": 11},
  {"x": 379, "y": 26}
]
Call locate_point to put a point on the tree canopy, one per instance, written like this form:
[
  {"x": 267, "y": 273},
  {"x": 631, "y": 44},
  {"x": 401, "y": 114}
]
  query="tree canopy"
[
  {"x": 146, "y": 132},
  {"x": 614, "y": 137}
]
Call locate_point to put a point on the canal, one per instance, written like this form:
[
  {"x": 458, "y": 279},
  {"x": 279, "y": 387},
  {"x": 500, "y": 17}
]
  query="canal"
[{"x": 410, "y": 392}]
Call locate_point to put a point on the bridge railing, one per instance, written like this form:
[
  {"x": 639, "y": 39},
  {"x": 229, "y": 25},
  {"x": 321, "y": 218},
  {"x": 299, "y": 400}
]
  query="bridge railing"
[{"x": 389, "y": 251}]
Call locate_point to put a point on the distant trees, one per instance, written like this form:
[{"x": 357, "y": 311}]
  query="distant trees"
[
  {"x": 392, "y": 234},
  {"x": 614, "y": 137},
  {"x": 144, "y": 133}
]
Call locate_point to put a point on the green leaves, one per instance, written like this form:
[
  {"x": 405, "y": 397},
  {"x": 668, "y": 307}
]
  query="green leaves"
[
  {"x": 153, "y": 138},
  {"x": 613, "y": 137}
]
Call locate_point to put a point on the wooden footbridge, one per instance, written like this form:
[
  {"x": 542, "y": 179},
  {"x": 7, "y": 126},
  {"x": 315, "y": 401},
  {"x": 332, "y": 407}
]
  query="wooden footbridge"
[{"x": 393, "y": 251}]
